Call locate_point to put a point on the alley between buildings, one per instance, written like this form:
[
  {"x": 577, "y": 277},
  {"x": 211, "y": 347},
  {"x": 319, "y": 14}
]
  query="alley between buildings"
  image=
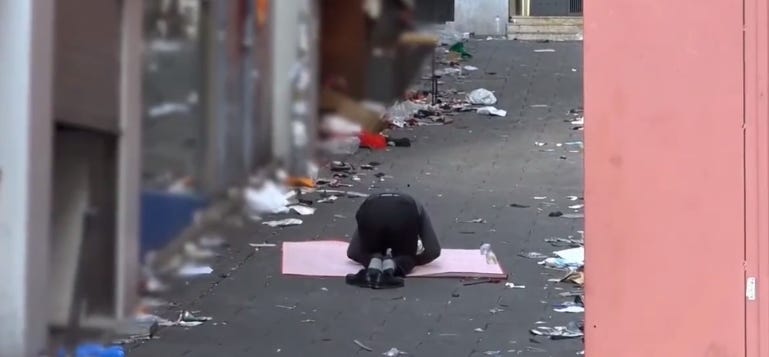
[{"x": 512, "y": 172}]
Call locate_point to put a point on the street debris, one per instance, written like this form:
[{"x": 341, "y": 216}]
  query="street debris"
[
  {"x": 558, "y": 332},
  {"x": 329, "y": 199},
  {"x": 555, "y": 214},
  {"x": 496, "y": 310},
  {"x": 288, "y": 222},
  {"x": 393, "y": 352},
  {"x": 492, "y": 353},
  {"x": 470, "y": 68},
  {"x": 577, "y": 206},
  {"x": 266, "y": 199},
  {"x": 574, "y": 256},
  {"x": 477, "y": 220},
  {"x": 517, "y": 205},
  {"x": 533, "y": 255},
  {"x": 573, "y": 216},
  {"x": 191, "y": 270},
  {"x": 361, "y": 345},
  {"x": 302, "y": 210},
  {"x": 511, "y": 285},
  {"x": 544, "y": 50},
  {"x": 492, "y": 111},
  {"x": 479, "y": 330},
  {"x": 576, "y": 278},
  {"x": 482, "y": 96},
  {"x": 571, "y": 308},
  {"x": 263, "y": 245}
]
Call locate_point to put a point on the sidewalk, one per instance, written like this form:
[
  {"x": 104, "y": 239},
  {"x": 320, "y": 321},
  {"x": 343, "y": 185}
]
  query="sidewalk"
[{"x": 474, "y": 168}]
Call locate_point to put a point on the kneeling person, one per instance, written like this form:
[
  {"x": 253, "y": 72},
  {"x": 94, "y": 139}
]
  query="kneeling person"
[{"x": 386, "y": 242}]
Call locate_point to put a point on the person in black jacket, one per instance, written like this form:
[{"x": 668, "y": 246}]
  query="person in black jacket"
[{"x": 394, "y": 235}]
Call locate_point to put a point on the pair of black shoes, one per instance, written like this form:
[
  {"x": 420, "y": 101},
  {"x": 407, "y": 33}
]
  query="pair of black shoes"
[{"x": 375, "y": 279}]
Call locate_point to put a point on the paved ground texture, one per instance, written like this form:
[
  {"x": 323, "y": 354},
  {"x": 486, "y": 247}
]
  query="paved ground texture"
[{"x": 474, "y": 168}]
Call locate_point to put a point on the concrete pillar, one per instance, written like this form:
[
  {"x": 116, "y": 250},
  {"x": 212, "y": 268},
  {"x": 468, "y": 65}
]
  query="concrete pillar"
[
  {"x": 25, "y": 173},
  {"x": 294, "y": 80}
]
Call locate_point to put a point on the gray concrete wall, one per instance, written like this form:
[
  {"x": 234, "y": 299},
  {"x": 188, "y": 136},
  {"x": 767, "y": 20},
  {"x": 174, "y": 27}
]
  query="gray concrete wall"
[{"x": 479, "y": 16}]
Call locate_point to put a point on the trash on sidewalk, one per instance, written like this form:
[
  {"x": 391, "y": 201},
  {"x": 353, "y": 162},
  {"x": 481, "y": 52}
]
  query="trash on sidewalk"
[
  {"x": 573, "y": 215},
  {"x": 511, "y": 285},
  {"x": 555, "y": 214},
  {"x": 262, "y": 245},
  {"x": 578, "y": 121},
  {"x": 477, "y": 220},
  {"x": 559, "y": 263},
  {"x": 329, "y": 199},
  {"x": 533, "y": 255},
  {"x": 492, "y": 111},
  {"x": 335, "y": 124},
  {"x": 447, "y": 71},
  {"x": 370, "y": 120},
  {"x": 544, "y": 50},
  {"x": 517, "y": 205},
  {"x": 470, "y": 68},
  {"x": 573, "y": 256},
  {"x": 188, "y": 316},
  {"x": 570, "y": 308},
  {"x": 572, "y": 198},
  {"x": 400, "y": 113},
  {"x": 482, "y": 96},
  {"x": 479, "y": 330},
  {"x": 341, "y": 166},
  {"x": 558, "y": 332},
  {"x": 361, "y": 345},
  {"x": 576, "y": 278},
  {"x": 372, "y": 141},
  {"x": 393, "y": 352},
  {"x": 459, "y": 48},
  {"x": 191, "y": 270},
  {"x": 492, "y": 353},
  {"x": 266, "y": 199},
  {"x": 577, "y": 206},
  {"x": 303, "y": 210},
  {"x": 288, "y": 222}
]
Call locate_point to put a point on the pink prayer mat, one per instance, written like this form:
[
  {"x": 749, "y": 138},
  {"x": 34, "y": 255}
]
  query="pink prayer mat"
[{"x": 329, "y": 259}]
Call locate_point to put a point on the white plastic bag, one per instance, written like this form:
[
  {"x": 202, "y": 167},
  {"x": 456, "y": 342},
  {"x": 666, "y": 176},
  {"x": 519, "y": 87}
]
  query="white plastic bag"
[
  {"x": 266, "y": 199},
  {"x": 492, "y": 111},
  {"x": 482, "y": 96}
]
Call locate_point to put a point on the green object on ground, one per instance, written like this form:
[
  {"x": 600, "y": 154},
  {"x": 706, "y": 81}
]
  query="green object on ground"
[{"x": 459, "y": 47}]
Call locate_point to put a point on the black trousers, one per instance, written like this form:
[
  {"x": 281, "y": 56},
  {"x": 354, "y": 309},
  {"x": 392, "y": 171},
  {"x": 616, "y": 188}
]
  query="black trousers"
[{"x": 387, "y": 221}]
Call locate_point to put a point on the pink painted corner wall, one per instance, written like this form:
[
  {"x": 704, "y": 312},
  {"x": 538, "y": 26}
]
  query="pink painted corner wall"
[{"x": 664, "y": 178}]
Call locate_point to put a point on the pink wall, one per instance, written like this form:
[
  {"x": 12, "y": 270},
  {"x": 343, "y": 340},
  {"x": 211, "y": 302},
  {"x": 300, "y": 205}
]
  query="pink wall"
[{"x": 665, "y": 183}]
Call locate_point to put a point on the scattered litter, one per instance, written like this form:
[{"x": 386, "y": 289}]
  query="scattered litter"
[
  {"x": 539, "y": 106},
  {"x": 361, "y": 345},
  {"x": 479, "y": 282},
  {"x": 559, "y": 263},
  {"x": 573, "y": 255},
  {"x": 511, "y": 285},
  {"x": 573, "y": 215},
  {"x": 308, "y": 321},
  {"x": 577, "y": 206},
  {"x": 558, "y": 332},
  {"x": 479, "y": 330},
  {"x": 263, "y": 245},
  {"x": 288, "y": 222},
  {"x": 578, "y": 121},
  {"x": 533, "y": 255},
  {"x": 393, "y": 352},
  {"x": 542, "y": 50},
  {"x": 540, "y": 198},
  {"x": 492, "y": 111},
  {"x": 447, "y": 71},
  {"x": 570, "y": 309},
  {"x": 329, "y": 199},
  {"x": 190, "y": 270},
  {"x": 517, "y": 205},
  {"x": 477, "y": 220},
  {"x": 470, "y": 68},
  {"x": 489, "y": 38},
  {"x": 555, "y": 214},
  {"x": 539, "y": 143},
  {"x": 576, "y": 277},
  {"x": 496, "y": 310},
  {"x": 188, "y": 316},
  {"x": 482, "y": 96},
  {"x": 302, "y": 210},
  {"x": 266, "y": 199},
  {"x": 572, "y": 198},
  {"x": 286, "y": 307},
  {"x": 492, "y": 353}
]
